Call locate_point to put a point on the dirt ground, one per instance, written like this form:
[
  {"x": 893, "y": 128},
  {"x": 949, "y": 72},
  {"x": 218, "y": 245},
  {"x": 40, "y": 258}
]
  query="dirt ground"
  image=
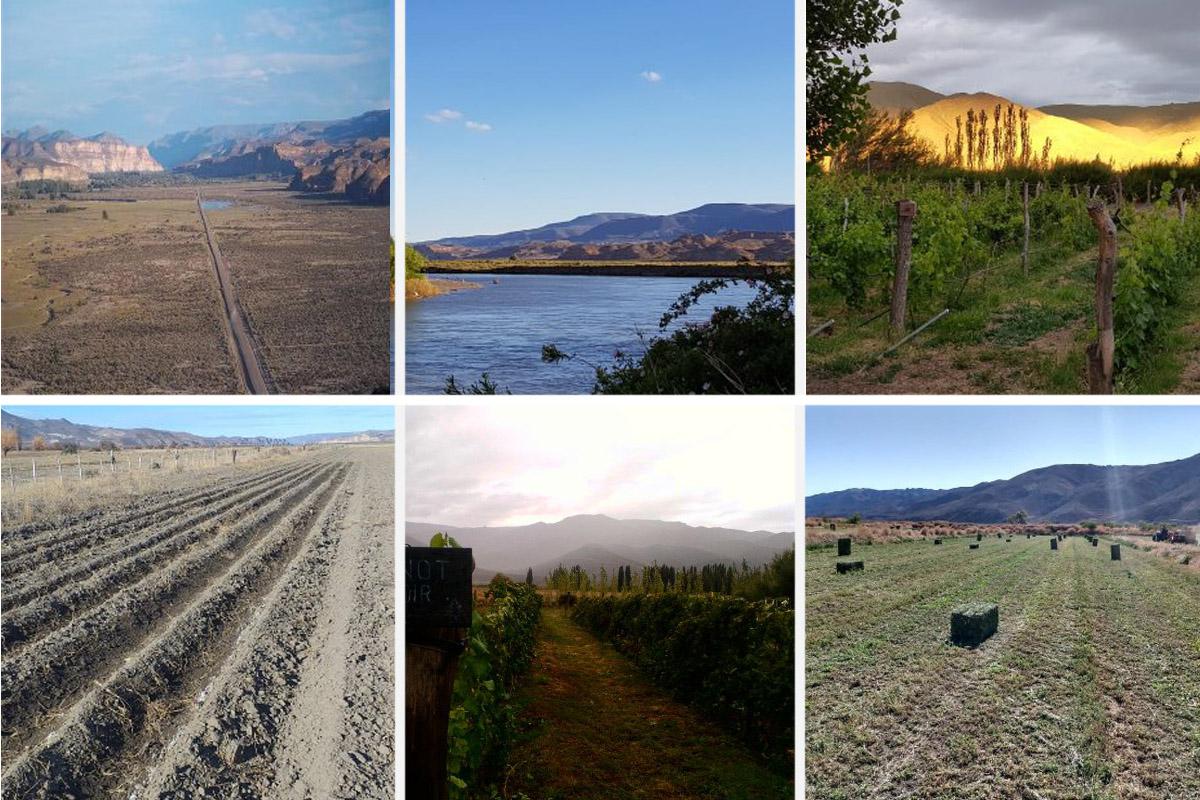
[
  {"x": 129, "y": 304},
  {"x": 1089, "y": 689},
  {"x": 233, "y": 640},
  {"x": 312, "y": 278}
]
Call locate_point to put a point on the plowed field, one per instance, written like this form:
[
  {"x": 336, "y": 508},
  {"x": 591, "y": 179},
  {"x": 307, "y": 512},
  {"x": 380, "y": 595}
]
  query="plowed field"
[{"x": 231, "y": 640}]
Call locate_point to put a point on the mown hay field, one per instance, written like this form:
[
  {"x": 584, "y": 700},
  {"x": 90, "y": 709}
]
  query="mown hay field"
[{"x": 1089, "y": 689}]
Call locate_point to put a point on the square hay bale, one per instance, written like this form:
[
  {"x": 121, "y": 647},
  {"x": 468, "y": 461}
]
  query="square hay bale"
[
  {"x": 973, "y": 623},
  {"x": 1007, "y": 540},
  {"x": 1115, "y": 550},
  {"x": 974, "y": 546},
  {"x": 1054, "y": 544},
  {"x": 849, "y": 566},
  {"x": 844, "y": 546}
]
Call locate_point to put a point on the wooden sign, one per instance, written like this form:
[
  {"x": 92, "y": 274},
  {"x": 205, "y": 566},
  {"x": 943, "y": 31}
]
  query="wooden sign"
[{"x": 438, "y": 587}]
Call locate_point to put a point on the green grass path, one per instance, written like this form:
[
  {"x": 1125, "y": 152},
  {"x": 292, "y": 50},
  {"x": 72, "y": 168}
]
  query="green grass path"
[{"x": 596, "y": 728}]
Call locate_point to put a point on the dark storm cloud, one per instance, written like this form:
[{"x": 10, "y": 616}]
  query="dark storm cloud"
[{"x": 1049, "y": 51}]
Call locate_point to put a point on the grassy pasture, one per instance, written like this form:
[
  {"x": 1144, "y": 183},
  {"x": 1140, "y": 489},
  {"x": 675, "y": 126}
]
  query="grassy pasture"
[{"x": 1090, "y": 688}]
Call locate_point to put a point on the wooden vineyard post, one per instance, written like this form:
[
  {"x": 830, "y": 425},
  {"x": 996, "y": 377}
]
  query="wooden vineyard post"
[
  {"x": 437, "y": 615},
  {"x": 1100, "y": 353},
  {"x": 1149, "y": 199},
  {"x": 845, "y": 214},
  {"x": 79, "y": 465},
  {"x": 1025, "y": 246},
  {"x": 1120, "y": 194},
  {"x": 906, "y": 210},
  {"x": 1181, "y": 198}
]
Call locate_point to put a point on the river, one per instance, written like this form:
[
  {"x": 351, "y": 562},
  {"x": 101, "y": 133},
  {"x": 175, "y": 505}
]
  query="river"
[{"x": 500, "y": 328}]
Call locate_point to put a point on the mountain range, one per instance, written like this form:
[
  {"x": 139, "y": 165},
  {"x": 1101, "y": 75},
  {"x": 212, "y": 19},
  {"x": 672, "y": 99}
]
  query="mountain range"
[
  {"x": 58, "y": 431},
  {"x": 348, "y": 157},
  {"x": 1168, "y": 492},
  {"x": 220, "y": 141},
  {"x": 595, "y": 540},
  {"x": 1125, "y": 134},
  {"x": 613, "y": 228}
]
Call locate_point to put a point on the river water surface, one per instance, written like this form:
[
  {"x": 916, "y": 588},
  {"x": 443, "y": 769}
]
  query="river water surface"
[{"x": 500, "y": 328}]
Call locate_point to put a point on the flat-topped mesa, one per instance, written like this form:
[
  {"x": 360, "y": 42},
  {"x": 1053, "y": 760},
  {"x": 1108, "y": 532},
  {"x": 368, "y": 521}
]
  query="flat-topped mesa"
[
  {"x": 106, "y": 153},
  {"x": 35, "y": 155}
]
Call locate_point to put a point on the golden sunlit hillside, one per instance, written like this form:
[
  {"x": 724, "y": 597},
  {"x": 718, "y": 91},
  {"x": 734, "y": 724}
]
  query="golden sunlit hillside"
[{"x": 1126, "y": 135}]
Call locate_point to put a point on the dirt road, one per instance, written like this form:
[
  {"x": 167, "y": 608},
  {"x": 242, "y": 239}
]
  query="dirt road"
[
  {"x": 241, "y": 647},
  {"x": 252, "y": 374}
]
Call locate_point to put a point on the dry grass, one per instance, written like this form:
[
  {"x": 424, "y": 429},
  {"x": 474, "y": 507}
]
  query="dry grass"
[{"x": 62, "y": 493}]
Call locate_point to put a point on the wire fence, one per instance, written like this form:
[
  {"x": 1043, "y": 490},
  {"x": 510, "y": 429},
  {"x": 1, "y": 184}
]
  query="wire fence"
[{"x": 52, "y": 468}]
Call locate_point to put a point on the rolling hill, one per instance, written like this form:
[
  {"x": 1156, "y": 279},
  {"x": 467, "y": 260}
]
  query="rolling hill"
[
  {"x": 58, "y": 431},
  {"x": 712, "y": 219},
  {"x": 1168, "y": 492},
  {"x": 1125, "y": 134},
  {"x": 595, "y": 540}
]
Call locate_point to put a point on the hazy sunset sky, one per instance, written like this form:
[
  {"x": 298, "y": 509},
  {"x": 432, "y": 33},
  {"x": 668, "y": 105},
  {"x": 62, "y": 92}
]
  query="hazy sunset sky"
[
  {"x": 516, "y": 465},
  {"x": 1038, "y": 53}
]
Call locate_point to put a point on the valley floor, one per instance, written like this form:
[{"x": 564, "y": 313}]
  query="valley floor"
[
  {"x": 117, "y": 294},
  {"x": 596, "y": 729},
  {"x": 1090, "y": 688}
]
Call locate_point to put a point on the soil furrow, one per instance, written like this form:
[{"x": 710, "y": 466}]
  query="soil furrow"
[
  {"x": 232, "y": 744},
  {"x": 49, "y": 674},
  {"x": 129, "y": 707},
  {"x": 77, "y": 594},
  {"x": 89, "y": 562},
  {"x": 74, "y": 536}
]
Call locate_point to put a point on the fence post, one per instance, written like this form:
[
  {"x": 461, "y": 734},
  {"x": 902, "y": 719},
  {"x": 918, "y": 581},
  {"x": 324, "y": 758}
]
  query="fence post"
[
  {"x": 437, "y": 613},
  {"x": 906, "y": 210},
  {"x": 1025, "y": 246},
  {"x": 845, "y": 213},
  {"x": 79, "y": 464},
  {"x": 1100, "y": 353},
  {"x": 1149, "y": 199},
  {"x": 60, "y": 471},
  {"x": 1182, "y": 200},
  {"x": 34, "y": 478},
  {"x": 1120, "y": 194}
]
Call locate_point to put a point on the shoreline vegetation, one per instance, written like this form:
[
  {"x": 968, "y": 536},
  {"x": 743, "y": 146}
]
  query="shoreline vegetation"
[
  {"x": 419, "y": 288},
  {"x": 624, "y": 269}
]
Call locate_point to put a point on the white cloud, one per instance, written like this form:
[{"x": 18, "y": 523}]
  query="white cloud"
[
  {"x": 271, "y": 23},
  {"x": 482, "y": 127},
  {"x": 650, "y": 76},
  {"x": 443, "y": 115}
]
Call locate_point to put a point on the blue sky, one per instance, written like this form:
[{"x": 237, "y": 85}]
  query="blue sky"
[
  {"x": 521, "y": 113},
  {"x": 941, "y": 447},
  {"x": 145, "y": 68},
  {"x": 242, "y": 420}
]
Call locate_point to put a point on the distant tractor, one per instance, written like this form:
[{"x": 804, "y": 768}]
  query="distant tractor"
[{"x": 1172, "y": 537}]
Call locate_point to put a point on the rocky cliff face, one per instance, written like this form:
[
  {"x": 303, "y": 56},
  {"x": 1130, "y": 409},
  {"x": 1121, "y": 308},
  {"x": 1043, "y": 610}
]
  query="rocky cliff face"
[
  {"x": 361, "y": 172},
  {"x": 18, "y": 172},
  {"x": 104, "y": 154},
  {"x": 34, "y": 155}
]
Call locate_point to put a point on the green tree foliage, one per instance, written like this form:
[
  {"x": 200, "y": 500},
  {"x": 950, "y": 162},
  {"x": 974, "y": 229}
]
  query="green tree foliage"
[
  {"x": 837, "y": 32},
  {"x": 1161, "y": 254},
  {"x": 747, "y": 350},
  {"x": 443, "y": 539},
  {"x": 482, "y": 717},
  {"x": 882, "y": 143},
  {"x": 730, "y": 657},
  {"x": 415, "y": 262},
  {"x": 529, "y": 577}
]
